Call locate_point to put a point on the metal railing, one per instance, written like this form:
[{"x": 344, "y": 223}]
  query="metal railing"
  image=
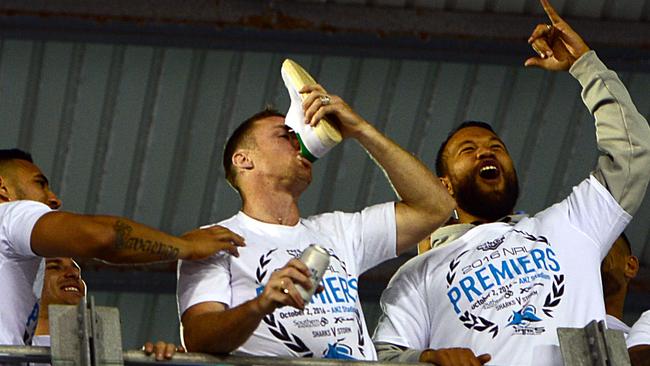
[
  {"x": 27, "y": 354},
  {"x": 85, "y": 335}
]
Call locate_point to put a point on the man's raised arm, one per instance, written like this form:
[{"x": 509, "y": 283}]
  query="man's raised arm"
[
  {"x": 425, "y": 203},
  {"x": 622, "y": 134}
]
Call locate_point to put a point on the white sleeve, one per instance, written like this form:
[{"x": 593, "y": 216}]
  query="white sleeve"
[
  {"x": 405, "y": 319},
  {"x": 640, "y": 332},
  {"x": 378, "y": 235},
  {"x": 369, "y": 236},
  {"x": 591, "y": 209},
  {"x": 203, "y": 281},
  {"x": 17, "y": 221}
]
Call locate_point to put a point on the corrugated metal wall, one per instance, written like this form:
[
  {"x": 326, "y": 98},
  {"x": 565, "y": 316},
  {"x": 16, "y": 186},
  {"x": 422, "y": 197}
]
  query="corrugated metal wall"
[
  {"x": 138, "y": 131},
  {"x": 598, "y": 9}
]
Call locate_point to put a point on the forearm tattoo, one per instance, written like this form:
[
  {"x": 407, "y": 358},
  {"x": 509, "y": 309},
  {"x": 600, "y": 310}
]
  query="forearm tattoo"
[{"x": 127, "y": 242}]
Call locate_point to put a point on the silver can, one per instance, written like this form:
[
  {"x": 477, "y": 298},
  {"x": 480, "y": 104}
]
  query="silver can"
[{"x": 317, "y": 260}]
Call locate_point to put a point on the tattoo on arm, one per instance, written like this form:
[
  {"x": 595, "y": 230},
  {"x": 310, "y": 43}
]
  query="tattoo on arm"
[{"x": 127, "y": 242}]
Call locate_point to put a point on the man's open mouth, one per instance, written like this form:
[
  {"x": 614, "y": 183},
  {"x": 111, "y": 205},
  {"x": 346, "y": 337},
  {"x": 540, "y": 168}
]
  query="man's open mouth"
[{"x": 489, "y": 171}]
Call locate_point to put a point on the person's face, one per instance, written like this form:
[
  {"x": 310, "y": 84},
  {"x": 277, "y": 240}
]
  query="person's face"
[
  {"x": 62, "y": 283},
  {"x": 481, "y": 174},
  {"x": 618, "y": 268},
  {"x": 277, "y": 153},
  {"x": 26, "y": 182}
]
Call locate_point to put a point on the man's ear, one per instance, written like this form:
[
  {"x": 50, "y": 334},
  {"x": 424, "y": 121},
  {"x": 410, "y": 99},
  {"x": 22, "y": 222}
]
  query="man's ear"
[
  {"x": 4, "y": 190},
  {"x": 631, "y": 267},
  {"x": 241, "y": 159},
  {"x": 447, "y": 183}
]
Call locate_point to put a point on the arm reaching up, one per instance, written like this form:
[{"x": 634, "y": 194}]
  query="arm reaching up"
[{"x": 425, "y": 203}]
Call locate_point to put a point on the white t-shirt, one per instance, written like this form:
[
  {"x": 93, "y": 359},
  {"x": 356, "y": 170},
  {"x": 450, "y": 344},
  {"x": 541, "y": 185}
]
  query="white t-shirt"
[
  {"x": 614, "y": 323},
  {"x": 504, "y": 289},
  {"x": 41, "y": 340},
  {"x": 19, "y": 267},
  {"x": 640, "y": 331},
  {"x": 332, "y": 325}
]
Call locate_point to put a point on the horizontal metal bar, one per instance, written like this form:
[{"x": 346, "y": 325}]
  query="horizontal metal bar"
[
  {"x": 327, "y": 17},
  {"x": 313, "y": 27},
  {"x": 136, "y": 357},
  {"x": 24, "y": 354}
]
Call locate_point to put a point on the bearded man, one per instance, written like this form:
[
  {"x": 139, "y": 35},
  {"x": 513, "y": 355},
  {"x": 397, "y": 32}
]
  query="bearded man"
[{"x": 499, "y": 286}]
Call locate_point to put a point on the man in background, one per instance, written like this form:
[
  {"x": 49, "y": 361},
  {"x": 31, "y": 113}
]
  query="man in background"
[
  {"x": 63, "y": 285},
  {"x": 618, "y": 268},
  {"x": 31, "y": 228}
]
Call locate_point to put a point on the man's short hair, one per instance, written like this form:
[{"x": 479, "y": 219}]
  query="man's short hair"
[
  {"x": 626, "y": 241},
  {"x": 239, "y": 138},
  {"x": 441, "y": 166},
  {"x": 14, "y": 154},
  {"x": 8, "y": 155}
]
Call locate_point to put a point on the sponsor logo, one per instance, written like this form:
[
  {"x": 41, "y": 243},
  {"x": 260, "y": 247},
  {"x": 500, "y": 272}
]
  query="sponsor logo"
[
  {"x": 338, "y": 351},
  {"x": 492, "y": 245}
]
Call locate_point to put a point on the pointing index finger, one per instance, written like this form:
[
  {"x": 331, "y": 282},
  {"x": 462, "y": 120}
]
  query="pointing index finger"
[{"x": 550, "y": 11}]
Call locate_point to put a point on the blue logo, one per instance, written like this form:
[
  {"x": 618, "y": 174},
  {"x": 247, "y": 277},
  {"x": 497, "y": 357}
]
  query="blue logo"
[
  {"x": 524, "y": 316},
  {"x": 338, "y": 351}
]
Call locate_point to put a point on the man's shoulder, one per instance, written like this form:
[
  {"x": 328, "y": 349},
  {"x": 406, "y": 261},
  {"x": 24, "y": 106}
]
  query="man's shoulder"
[
  {"x": 421, "y": 265},
  {"x": 230, "y": 222},
  {"x": 22, "y": 205},
  {"x": 588, "y": 190},
  {"x": 20, "y": 214},
  {"x": 339, "y": 214}
]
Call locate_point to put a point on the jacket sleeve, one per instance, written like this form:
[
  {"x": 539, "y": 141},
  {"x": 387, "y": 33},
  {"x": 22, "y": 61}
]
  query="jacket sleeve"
[
  {"x": 388, "y": 352},
  {"x": 622, "y": 133}
]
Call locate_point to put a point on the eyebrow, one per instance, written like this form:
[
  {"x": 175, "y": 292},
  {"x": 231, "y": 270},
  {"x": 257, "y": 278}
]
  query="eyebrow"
[
  {"x": 465, "y": 142},
  {"x": 492, "y": 139},
  {"x": 283, "y": 127},
  {"x": 43, "y": 177}
]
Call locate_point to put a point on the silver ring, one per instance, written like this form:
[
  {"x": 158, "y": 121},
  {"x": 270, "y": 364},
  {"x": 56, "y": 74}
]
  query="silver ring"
[
  {"x": 283, "y": 289},
  {"x": 549, "y": 27},
  {"x": 325, "y": 99}
]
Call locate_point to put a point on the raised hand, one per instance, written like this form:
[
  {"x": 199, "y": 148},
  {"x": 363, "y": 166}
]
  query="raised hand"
[
  {"x": 318, "y": 104},
  {"x": 206, "y": 242},
  {"x": 453, "y": 357},
  {"x": 281, "y": 290},
  {"x": 557, "y": 44}
]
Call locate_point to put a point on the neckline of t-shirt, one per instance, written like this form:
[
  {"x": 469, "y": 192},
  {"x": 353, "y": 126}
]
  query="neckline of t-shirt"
[
  {"x": 477, "y": 230},
  {"x": 257, "y": 223}
]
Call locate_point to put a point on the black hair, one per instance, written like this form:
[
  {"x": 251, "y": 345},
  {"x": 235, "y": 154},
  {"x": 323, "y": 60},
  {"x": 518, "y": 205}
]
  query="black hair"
[
  {"x": 14, "y": 154},
  {"x": 626, "y": 240},
  {"x": 441, "y": 168},
  {"x": 238, "y": 138}
]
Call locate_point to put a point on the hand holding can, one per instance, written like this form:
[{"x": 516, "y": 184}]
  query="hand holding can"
[{"x": 317, "y": 260}]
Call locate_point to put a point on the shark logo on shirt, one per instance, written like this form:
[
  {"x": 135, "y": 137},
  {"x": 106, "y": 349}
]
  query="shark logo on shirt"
[{"x": 524, "y": 316}]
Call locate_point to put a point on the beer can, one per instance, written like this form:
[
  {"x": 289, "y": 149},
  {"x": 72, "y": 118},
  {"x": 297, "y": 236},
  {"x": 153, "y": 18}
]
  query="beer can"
[{"x": 317, "y": 260}]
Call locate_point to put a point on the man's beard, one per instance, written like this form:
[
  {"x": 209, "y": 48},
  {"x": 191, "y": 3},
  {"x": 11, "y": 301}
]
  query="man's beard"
[{"x": 487, "y": 205}]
